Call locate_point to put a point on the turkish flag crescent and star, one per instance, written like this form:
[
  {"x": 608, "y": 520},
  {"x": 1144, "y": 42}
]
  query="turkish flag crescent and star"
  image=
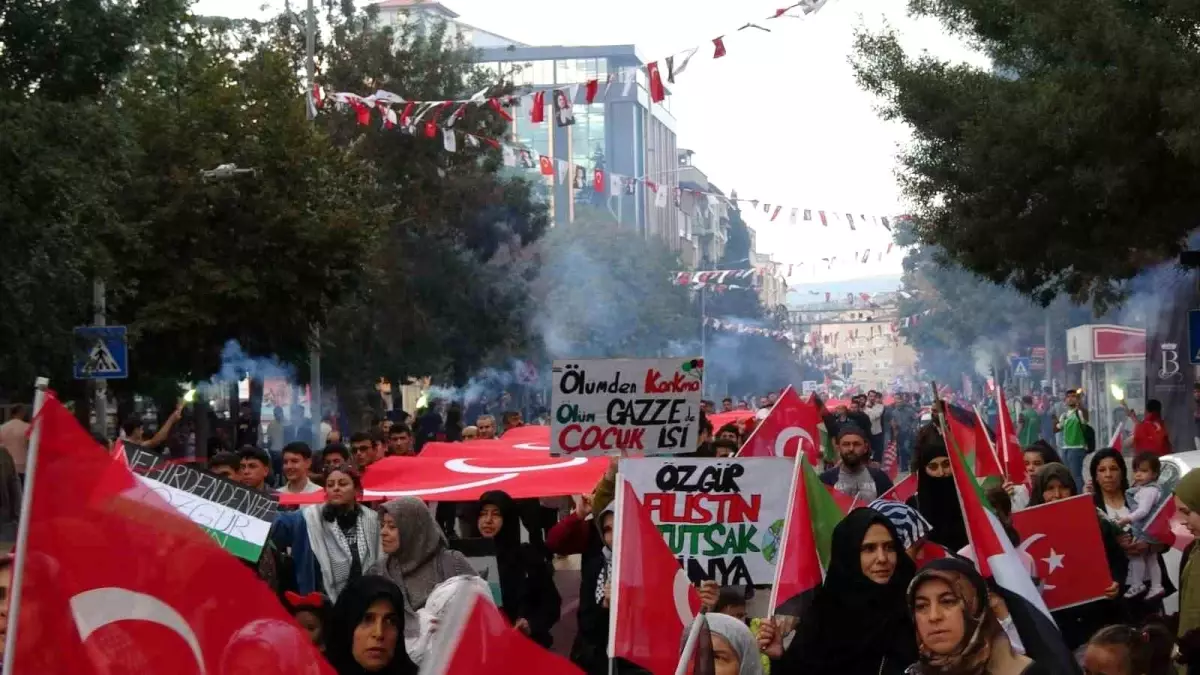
[
  {"x": 113, "y": 578},
  {"x": 790, "y": 426},
  {"x": 652, "y": 599},
  {"x": 477, "y": 638},
  {"x": 1063, "y": 538},
  {"x": 519, "y": 463}
]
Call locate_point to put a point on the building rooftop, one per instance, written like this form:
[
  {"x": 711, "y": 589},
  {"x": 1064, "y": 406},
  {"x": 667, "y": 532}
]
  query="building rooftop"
[{"x": 430, "y": 5}]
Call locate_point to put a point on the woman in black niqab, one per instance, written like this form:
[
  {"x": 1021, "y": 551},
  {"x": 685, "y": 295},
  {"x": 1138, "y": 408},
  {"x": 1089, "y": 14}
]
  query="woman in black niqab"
[
  {"x": 350, "y": 612},
  {"x": 936, "y": 497},
  {"x": 855, "y": 626}
]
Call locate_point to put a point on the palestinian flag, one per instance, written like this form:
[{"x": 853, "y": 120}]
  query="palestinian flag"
[
  {"x": 1008, "y": 447},
  {"x": 997, "y": 560},
  {"x": 807, "y": 536},
  {"x": 237, "y": 518},
  {"x": 975, "y": 444}
]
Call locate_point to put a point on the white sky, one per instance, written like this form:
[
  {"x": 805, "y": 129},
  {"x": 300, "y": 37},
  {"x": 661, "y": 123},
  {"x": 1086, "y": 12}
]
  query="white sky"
[{"x": 780, "y": 118}]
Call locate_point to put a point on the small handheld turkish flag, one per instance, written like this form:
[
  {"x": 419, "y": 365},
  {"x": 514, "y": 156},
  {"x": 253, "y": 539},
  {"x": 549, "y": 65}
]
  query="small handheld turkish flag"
[
  {"x": 789, "y": 428},
  {"x": 110, "y": 578},
  {"x": 652, "y": 599},
  {"x": 476, "y": 638},
  {"x": 1063, "y": 538}
]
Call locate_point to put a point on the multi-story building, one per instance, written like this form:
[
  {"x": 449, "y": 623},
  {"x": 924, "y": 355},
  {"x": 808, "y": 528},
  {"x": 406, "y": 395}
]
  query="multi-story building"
[
  {"x": 772, "y": 287},
  {"x": 622, "y": 131},
  {"x": 424, "y": 15},
  {"x": 856, "y": 335},
  {"x": 703, "y": 222}
]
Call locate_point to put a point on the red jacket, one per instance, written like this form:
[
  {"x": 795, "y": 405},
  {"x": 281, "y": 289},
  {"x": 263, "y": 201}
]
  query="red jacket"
[{"x": 1150, "y": 435}]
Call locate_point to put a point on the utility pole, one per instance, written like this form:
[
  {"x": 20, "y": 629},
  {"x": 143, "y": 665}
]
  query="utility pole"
[
  {"x": 314, "y": 350},
  {"x": 1049, "y": 355},
  {"x": 100, "y": 391}
]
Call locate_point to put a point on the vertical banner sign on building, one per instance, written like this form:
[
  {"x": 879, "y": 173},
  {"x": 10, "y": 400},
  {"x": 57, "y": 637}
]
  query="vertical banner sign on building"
[
  {"x": 1169, "y": 373},
  {"x": 615, "y": 406},
  {"x": 722, "y": 518}
]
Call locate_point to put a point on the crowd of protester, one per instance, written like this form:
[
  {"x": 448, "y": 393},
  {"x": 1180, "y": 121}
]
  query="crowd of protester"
[{"x": 359, "y": 578}]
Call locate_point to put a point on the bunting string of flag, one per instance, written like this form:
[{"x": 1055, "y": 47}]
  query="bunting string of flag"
[
  {"x": 747, "y": 329},
  {"x": 432, "y": 121},
  {"x": 625, "y": 78}
]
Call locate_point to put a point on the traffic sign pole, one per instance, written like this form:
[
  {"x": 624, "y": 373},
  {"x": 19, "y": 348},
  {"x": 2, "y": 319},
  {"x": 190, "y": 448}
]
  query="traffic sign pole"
[{"x": 100, "y": 306}]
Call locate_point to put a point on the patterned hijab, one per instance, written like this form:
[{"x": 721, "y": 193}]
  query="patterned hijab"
[
  {"x": 980, "y": 626},
  {"x": 909, "y": 523}
]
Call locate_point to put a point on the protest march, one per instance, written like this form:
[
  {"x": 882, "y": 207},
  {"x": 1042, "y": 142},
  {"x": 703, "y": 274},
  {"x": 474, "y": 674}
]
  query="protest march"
[{"x": 553, "y": 337}]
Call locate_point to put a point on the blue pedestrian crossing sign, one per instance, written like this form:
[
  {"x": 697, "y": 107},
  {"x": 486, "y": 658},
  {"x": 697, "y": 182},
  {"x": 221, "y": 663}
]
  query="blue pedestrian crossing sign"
[
  {"x": 101, "y": 353},
  {"x": 1020, "y": 366}
]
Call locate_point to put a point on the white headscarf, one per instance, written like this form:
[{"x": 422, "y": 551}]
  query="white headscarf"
[{"x": 738, "y": 635}]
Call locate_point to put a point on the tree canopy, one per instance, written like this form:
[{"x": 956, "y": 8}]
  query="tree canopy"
[{"x": 1071, "y": 164}]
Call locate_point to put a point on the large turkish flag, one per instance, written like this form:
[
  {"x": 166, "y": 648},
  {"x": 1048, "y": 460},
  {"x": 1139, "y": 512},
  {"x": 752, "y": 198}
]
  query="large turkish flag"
[
  {"x": 114, "y": 579},
  {"x": 1063, "y": 538}
]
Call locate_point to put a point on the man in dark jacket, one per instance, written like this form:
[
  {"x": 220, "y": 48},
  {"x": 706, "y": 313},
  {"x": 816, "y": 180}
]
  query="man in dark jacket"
[{"x": 853, "y": 477}]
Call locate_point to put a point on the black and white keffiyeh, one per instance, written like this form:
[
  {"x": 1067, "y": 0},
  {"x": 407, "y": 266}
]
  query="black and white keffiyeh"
[{"x": 909, "y": 523}]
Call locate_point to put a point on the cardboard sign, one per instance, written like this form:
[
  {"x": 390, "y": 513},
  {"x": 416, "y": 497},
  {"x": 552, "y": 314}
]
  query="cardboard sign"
[
  {"x": 238, "y": 518},
  {"x": 625, "y": 406},
  {"x": 481, "y": 553},
  {"x": 722, "y": 518}
]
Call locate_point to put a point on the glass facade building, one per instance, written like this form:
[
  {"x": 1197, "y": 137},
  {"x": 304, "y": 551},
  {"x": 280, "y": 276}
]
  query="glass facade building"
[{"x": 625, "y": 134}]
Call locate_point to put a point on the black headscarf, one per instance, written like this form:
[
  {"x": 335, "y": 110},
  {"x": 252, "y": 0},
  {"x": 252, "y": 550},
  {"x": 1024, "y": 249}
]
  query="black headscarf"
[
  {"x": 1054, "y": 471},
  {"x": 348, "y": 613},
  {"x": 855, "y": 625},
  {"x": 509, "y": 556},
  {"x": 1106, "y": 453},
  {"x": 937, "y": 498}
]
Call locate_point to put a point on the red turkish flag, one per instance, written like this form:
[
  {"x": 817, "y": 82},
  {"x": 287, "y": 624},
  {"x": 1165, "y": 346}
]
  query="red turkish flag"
[
  {"x": 590, "y": 89},
  {"x": 537, "y": 112},
  {"x": 477, "y": 638},
  {"x": 790, "y": 426},
  {"x": 653, "y": 602},
  {"x": 901, "y": 491},
  {"x": 465, "y": 473},
  {"x": 930, "y": 551},
  {"x": 1063, "y": 538},
  {"x": 599, "y": 181},
  {"x": 547, "y": 165},
  {"x": 657, "y": 91},
  {"x": 110, "y": 574}
]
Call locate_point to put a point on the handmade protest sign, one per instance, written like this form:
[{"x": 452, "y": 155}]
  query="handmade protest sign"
[
  {"x": 239, "y": 519},
  {"x": 722, "y": 518},
  {"x": 622, "y": 406}
]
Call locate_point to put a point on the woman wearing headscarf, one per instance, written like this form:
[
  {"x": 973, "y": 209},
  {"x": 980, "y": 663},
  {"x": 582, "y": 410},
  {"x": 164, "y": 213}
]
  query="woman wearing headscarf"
[
  {"x": 365, "y": 629},
  {"x": 1187, "y": 504},
  {"x": 1054, "y": 482},
  {"x": 858, "y": 622},
  {"x": 333, "y": 543},
  {"x": 937, "y": 498},
  {"x": 416, "y": 556},
  {"x": 734, "y": 648},
  {"x": 957, "y": 632},
  {"x": 530, "y": 598}
]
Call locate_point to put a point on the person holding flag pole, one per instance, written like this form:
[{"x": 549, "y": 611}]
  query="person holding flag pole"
[
  {"x": 998, "y": 562},
  {"x": 21, "y": 549}
]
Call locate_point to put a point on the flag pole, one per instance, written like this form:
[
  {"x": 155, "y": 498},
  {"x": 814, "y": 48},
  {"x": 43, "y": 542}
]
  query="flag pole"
[
  {"x": 31, "y": 462},
  {"x": 689, "y": 646}
]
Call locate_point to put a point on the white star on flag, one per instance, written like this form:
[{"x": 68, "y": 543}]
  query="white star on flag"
[{"x": 1055, "y": 561}]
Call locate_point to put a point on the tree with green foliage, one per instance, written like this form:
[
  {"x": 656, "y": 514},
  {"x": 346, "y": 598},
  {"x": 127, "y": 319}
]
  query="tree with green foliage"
[
  {"x": 958, "y": 322},
  {"x": 1070, "y": 165},
  {"x": 447, "y": 289}
]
